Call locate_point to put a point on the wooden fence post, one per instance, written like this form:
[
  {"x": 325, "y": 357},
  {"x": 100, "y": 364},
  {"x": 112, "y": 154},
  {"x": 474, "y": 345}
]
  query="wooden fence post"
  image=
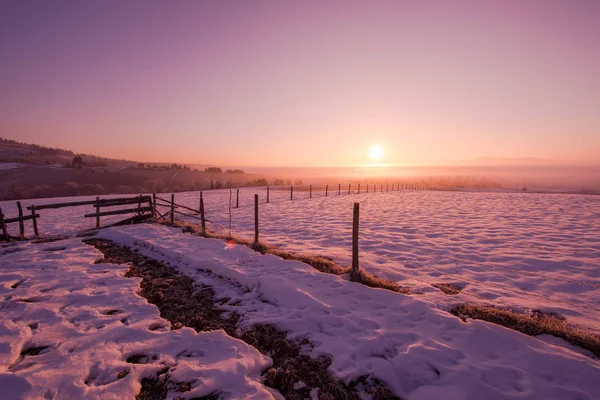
[
  {"x": 139, "y": 209},
  {"x": 359, "y": 188},
  {"x": 202, "y": 220},
  {"x": 267, "y": 195},
  {"x": 172, "y": 208},
  {"x": 339, "y": 188},
  {"x": 237, "y": 199},
  {"x": 256, "y": 219},
  {"x": 310, "y": 189},
  {"x": 326, "y": 189},
  {"x": 355, "y": 218},
  {"x": 200, "y": 202},
  {"x": 3, "y": 227},
  {"x": 21, "y": 225},
  {"x": 153, "y": 205},
  {"x": 97, "y": 212},
  {"x": 35, "y": 227},
  {"x": 349, "y": 186},
  {"x": 291, "y": 193},
  {"x": 367, "y": 188}
]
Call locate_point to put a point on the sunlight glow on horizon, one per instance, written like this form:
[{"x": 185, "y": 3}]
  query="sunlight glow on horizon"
[
  {"x": 307, "y": 83},
  {"x": 376, "y": 153}
]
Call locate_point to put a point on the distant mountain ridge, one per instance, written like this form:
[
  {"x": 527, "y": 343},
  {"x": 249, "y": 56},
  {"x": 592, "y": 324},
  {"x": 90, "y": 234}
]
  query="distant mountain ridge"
[{"x": 12, "y": 151}]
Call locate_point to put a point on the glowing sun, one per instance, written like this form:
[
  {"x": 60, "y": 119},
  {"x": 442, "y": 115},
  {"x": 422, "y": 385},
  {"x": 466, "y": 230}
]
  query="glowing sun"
[{"x": 376, "y": 153}]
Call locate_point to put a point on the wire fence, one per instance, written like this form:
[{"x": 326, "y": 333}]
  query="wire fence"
[{"x": 234, "y": 199}]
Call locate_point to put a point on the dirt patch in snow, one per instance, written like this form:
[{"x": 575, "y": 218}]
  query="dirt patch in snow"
[
  {"x": 183, "y": 303},
  {"x": 534, "y": 324},
  {"x": 448, "y": 288}
]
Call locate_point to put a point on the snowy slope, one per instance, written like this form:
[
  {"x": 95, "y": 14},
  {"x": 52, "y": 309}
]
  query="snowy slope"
[
  {"x": 421, "y": 352},
  {"x": 90, "y": 321}
]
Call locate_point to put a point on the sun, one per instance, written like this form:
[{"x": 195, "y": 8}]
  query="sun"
[{"x": 376, "y": 153}]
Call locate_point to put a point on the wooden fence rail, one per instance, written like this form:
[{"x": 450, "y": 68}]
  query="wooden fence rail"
[{"x": 98, "y": 204}]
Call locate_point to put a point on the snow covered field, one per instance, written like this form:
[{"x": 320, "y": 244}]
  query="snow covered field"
[
  {"x": 529, "y": 251},
  {"x": 525, "y": 251}
]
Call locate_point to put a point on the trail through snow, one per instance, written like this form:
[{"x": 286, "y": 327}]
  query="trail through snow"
[{"x": 421, "y": 352}]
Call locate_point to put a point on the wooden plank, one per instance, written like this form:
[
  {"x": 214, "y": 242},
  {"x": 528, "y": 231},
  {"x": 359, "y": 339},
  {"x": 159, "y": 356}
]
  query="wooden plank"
[
  {"x": 237, "y": 198},
  {"x": 3, "y": 227},
  {"x": 267, "y": 195},
  {"x": 137, "y": 200},
  {"x": 117, "y": 212},
  {"x": 21, "y": 226},
  {"x": 117, "y": 201},
  {"x": 23, "y": 218},
  {"x": 186, "y": 208},
  {"x": 355, "y": 219}
]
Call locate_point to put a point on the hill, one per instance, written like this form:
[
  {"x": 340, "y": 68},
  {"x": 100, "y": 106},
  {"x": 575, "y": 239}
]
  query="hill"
[{"x": 33, "y": 171}]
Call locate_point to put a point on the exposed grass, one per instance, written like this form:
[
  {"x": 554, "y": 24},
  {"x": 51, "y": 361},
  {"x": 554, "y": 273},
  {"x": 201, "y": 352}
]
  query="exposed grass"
[
  {"x": 375, "y": 281},
  {"x": 320, "y": 263},
  {"x": 183, "y": 304},
  {"x": 448, "y": 288},
  {"x": 533, "y": 324},
  {"x": 49, "y": 239}
]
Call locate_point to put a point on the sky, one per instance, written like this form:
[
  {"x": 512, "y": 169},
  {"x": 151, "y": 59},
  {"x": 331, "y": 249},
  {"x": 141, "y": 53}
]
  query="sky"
[{"x": 310, "y": 83}]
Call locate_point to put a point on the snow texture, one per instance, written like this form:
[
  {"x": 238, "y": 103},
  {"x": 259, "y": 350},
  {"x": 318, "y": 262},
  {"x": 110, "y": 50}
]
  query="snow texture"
[
  {"x": 86, "y": 320},
  {"x": 419, "y": 351}
]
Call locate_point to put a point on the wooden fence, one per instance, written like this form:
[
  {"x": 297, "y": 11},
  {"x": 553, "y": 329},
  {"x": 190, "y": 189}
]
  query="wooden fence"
[
  {"x": 141, "y": 210},
  {"x": 145, "y": 206}
]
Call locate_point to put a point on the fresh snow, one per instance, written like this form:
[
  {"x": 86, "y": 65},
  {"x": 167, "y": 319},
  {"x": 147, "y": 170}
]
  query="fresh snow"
[
  {"x": 420, "y": 351},
  {"x": 91, "y": 320}
]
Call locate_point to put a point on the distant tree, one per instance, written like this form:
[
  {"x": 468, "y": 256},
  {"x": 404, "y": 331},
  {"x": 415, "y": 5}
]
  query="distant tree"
[
  {"x": 77, "y": 162},
  {"x": 288, "y": 182},
  {"x": 234, "y": 171},
  {"x": 279, "y": 182},
  {"x": 298, "y": 182},
  {"x": 71, "y": 188},
  {"x": 258, "y": 182},
  {"x": 214, "y": 169}
]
